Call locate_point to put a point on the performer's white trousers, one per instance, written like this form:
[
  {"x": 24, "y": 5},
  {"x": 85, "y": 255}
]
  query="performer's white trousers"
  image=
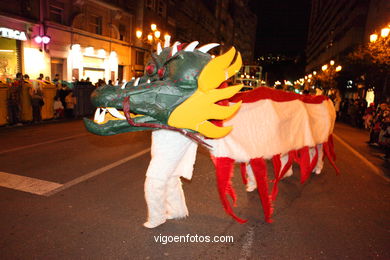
[{"x": 173, "y": 156}]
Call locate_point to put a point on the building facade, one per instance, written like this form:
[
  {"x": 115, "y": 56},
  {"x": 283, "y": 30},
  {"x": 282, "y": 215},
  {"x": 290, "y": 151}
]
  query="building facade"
[
  {"x": 18, "y": 22},
  {"x": 335, "y": 27},
  {"x": 96, "y": 39}
]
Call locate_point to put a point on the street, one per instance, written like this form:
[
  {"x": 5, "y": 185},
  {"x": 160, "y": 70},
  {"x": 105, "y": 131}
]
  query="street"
[{"x": 68, "y": 194}]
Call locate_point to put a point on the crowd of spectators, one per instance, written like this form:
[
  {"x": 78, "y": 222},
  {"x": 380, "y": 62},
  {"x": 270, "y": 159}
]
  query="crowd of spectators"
[
  {"x": 374, "y": 118},
  {"x": 63, "y": 103}
]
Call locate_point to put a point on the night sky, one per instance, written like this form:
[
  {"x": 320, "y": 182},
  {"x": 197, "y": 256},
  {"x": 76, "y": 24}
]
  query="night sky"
[
  {"x": 282, "y": 26},
  {"x": 282, "y": 30}
]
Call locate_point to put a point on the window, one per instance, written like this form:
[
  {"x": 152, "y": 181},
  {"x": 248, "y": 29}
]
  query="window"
[
  {"x": 97, "y": 24},
  {"x": 150, "y": 4},
  {"x": 139, "y": 58},
  {"x": 161, "y": 8},
  {"x": 122, "y": 32},
  {"x": 56, "y": 11}
]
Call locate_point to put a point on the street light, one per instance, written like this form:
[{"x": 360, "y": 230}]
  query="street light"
[
  {"x": 338, "y": 68},
  {"x": 373, "y": 37},
  {"x": 153, "y": 36},
  {"x": 325, "y": 67},
  {"x": 385, "y": 32},
  {"x": 138, "y": 34}
]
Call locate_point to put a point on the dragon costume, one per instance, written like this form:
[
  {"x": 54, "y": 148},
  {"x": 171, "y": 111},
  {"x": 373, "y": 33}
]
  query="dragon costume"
[{"x": 185, "y": 99}]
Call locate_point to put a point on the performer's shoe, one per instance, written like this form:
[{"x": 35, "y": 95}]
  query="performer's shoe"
[
  {"x": 149, "y": 224},
  {"x": 251, "y": 187},
  {"x": 288, "y": 173}
]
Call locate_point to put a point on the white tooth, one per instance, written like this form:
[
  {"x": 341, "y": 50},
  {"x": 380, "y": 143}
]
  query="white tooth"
[
  {"x": 191, "y": 46},
  {"x": 136, "y": 82},
  {"x": 148, "y": 81},
  {"x": 159, "y": 49},
  {"x": 115, "y": 113},
  {"x": 174, "y": 48},
  {"x": 124, "y": 85},
  {"x": 97, "y": 114},
  {"x": 207, "y": 47},
  {"x": 102, "y": 116},
  {"x": 167, "y": 41}
]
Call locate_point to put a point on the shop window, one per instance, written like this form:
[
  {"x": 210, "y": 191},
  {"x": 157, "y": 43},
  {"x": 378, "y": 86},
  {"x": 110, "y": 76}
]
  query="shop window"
[
  {"x": 97, "y": 24},
  {"x": 9, "y": 58},
  {"x": 56, "y": 11},
  {"x": 139, "y": 57},
  {"x": 161, "y": 8}
]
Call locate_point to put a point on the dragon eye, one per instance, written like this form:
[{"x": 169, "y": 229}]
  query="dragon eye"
[
  {"x": 161, "y": 72},
  {"x": 150, "y": 69}
]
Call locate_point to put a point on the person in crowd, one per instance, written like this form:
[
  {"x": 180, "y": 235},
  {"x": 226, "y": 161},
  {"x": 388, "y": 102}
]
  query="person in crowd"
[
  {"x": 40, "y": 77},
  {"x": 87, "y": 79},
  {"x": 369, "y": 116},
  {"x": 58, "y": 108},
  {"x": 47, "y": 78},
  {"x": 13, "y": 100},
  {"x": 377, "y": 124},
  {"x": 337, "y": 103},
  {"x": 26, "y": 77},
  {"x": 56, "y": 79},
  {"x": 361, "y": 112},
  {"x": 384, "y": 135},
  {"x": 70, "y": 104},
  {"x": 110, "y": 83},
  {"x": 344, "y": 109},
  {"x": 37, "y": 101},
  {"x": 353, "y": 112},
  {"x": 62, "y": 93}
]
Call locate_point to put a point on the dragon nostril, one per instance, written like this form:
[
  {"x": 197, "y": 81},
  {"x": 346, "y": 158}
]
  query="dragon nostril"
[{"x": 161, "y": 72}]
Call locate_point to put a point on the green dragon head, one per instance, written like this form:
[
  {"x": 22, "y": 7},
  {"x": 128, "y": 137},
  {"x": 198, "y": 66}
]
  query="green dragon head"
[{"x": 179, "y": 90}]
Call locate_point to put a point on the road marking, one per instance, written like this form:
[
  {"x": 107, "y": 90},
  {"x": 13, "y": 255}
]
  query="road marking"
[
  {"x": 246, "y": 249},
  {"x": 41, "y": 143},
  {"x": 95, "y": 173},
  {"x": 27, "y": 184},
  {"x": 375, "y": 169}
]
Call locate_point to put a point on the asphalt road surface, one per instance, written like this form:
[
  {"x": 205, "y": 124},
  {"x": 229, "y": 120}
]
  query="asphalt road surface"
[{"x": 68, "y": 194}]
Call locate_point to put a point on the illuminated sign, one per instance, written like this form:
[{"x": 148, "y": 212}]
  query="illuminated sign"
[{"x": 12, "y": 34}]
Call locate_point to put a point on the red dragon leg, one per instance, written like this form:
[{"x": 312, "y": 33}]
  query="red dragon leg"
[
  {"x": 224, "y": 167},
  {"x": 243, "y": 173},
  {"x": 329, "y": 153},
  {"x": 260, "y": 171},
  {"x": 279, "y": 173}
]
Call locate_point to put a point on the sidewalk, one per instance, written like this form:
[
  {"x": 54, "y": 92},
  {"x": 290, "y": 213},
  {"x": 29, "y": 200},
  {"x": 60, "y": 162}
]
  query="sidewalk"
[{"x": 357, "y": 139}]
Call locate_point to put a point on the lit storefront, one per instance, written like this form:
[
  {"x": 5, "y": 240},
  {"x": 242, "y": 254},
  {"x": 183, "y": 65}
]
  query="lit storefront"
[
  {"x": 18, "y": 50},
  {"x": 10, "y": 52},
  {"x": 86, "y": 62}
]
